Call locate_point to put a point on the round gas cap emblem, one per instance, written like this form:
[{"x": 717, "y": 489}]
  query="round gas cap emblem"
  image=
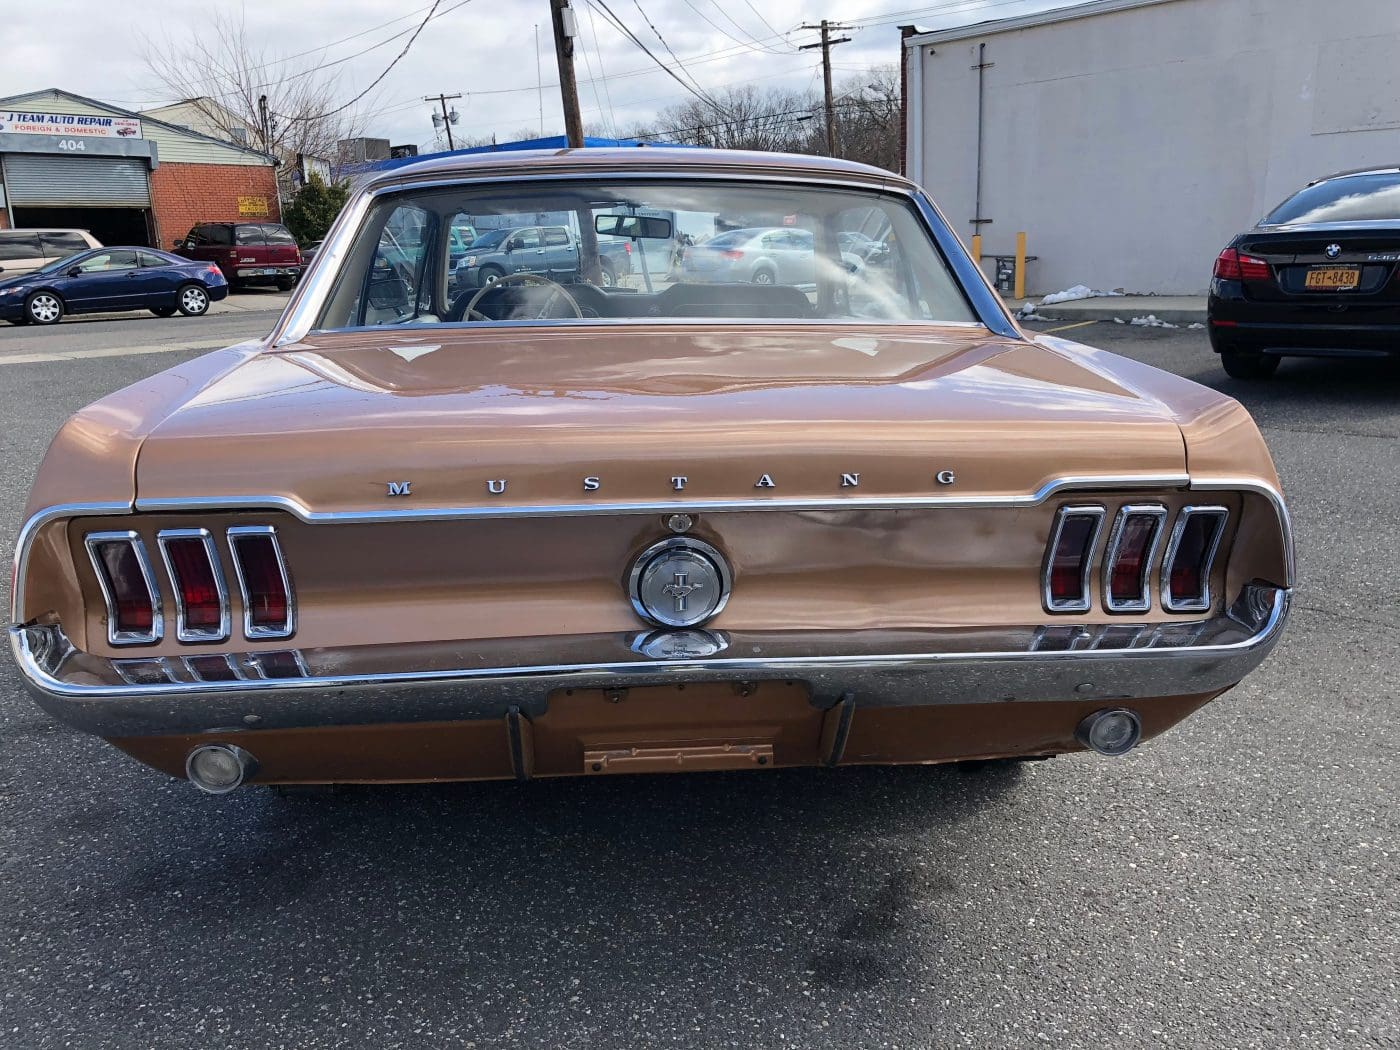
[{"x": 679, "y": 582}]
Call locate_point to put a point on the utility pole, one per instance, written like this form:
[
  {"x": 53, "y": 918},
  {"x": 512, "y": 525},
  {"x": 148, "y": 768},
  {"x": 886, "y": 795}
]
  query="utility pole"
[
  {"x": 264, "y": 124},
  {"x": 539, "y": 78},
  {"x": 447, "y": 121},
  {"x": 565, "y": 29},
  {"x": 826, "y": 44}
]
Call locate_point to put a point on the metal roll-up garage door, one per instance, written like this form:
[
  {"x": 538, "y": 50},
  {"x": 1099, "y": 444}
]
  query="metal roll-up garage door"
[{"x": 59, "y": 180}]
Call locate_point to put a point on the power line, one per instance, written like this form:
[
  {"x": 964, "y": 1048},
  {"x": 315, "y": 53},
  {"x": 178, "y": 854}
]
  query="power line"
[
  {"x": 621, "y": 27},
  {"x": 669, "y": 51},
  {"x": 375, "y": 82},
  {"x": 607, "y": 92},
  {"x": 725, "y": 33}
]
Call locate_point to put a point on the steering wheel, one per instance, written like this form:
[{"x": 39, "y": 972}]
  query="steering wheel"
[{"x": 470, "y": 312}]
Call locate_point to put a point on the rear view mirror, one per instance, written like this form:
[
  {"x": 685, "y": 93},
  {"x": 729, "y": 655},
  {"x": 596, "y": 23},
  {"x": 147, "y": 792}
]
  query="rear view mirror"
[
  {"x": 177, "y": 245},
  {"x": 647, "y": 227}
]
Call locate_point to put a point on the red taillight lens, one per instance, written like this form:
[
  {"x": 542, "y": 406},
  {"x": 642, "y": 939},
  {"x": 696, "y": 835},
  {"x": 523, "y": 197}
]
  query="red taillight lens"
[
  {"x": 1230, "y": 265},
  {"x": 1067, "y": 567},
  {"x": 1227, "y": 265},
  {"x": 268, "y": 610},
  {"x": 1189, "y": 558},
  {"x": 199, "y": 588},
  {"x": 133, "y": 606},
  {"x": 732, "y": 253},
  {"x": 1130, "y": 554},
  {"x": 627, "y": 245}
]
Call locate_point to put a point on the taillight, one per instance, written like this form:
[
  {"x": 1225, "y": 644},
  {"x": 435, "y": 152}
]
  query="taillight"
[
  {"x": 214, "y": 270},
  {"x": 1190, "y": 555},
  {"x": 1131, "y": 548},
  {"x": 201, "y": 600},
  {"x": 129, "y": 590},
  {"x": 269, "y": 607},
  {"x": 732, "y": 253},
  {"x": 1068, "y": 558},
  {"x": 627, "y": 246},
  {"x": 1230, "y": 265}
]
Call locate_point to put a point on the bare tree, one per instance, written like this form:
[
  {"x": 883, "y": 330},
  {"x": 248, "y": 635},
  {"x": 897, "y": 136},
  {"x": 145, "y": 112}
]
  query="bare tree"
[
  {"x": 746, "y": 118},
  {"x": 226, "y": 75},
  {"x": 867, "y": 118}
]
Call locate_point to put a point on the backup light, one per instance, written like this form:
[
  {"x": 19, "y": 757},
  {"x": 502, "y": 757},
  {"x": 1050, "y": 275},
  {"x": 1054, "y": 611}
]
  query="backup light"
[
  {"x": 219, "y": 768},
  {"x": 1114, "y": 731}
]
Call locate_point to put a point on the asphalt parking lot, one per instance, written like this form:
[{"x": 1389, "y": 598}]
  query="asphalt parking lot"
[{"x": 1233, "y": 884}]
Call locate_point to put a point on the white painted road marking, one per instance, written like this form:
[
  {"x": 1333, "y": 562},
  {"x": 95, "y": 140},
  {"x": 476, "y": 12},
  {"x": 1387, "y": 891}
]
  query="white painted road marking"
[{"x": 112, "y": 351}]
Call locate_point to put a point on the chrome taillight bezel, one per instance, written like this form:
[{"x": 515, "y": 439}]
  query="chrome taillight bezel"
[
  {"x": 252, "y": 631},
  {"x": 183, "y": 632},
  {"x": 1115, "y": 539},
  {"x": 1207, "y": 596},
  {"x": 116, "y": 636},
  {"x": 1085, "y": 601}
]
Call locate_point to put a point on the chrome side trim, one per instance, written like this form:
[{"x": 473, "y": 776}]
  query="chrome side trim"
[
  {"x": 383, "y": 684},
  {"x": 30, "y": 529},
  {"x": 251, "y": 630},
  {"x": 1222, "y": 516},
  {"x": 1275, "y": 499},
  {"x": 1086, "y": 569},
  {"x": 1158, "y": 514},
  {"x": 182, "y": 631},
  {"x": 300, "y": 511},
  {"x": 115, "y": 635}
]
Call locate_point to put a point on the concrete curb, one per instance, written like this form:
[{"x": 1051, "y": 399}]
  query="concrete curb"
[{"x": 1173, "y": 309}]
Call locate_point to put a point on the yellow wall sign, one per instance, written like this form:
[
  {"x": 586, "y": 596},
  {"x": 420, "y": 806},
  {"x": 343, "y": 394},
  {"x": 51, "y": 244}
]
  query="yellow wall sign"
[{"x": 252, "y": 206}]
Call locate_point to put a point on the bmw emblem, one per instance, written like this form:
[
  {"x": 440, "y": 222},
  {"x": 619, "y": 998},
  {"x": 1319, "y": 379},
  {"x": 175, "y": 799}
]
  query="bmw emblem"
[{"x": 1333, "y": 250}]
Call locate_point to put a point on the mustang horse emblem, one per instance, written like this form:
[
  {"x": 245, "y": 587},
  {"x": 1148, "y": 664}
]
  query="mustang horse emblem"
[{"x": 680, "y": 588}]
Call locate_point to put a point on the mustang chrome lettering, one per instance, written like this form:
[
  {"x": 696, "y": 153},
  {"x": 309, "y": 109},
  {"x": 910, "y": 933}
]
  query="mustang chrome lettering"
[
  {"x": 399, "y": 488},
  {"x": 945, "y": 477},
  {"x": 592, "y": 484},
  {"x": 496, "y": 486},
  {"x": 765, "y": 482},
  {"x": 850, "y": 481},
  {"x": 678, "y": 482}
]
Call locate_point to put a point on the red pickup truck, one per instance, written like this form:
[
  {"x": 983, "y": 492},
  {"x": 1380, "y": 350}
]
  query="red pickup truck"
[{"x": 247, "y": 252}]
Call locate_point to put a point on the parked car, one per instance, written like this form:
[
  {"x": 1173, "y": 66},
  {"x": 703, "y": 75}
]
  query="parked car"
[
  {"x": 549, "y": 250},
  {"x": 25, "y": 250},
  {"x": 308, "y": 253},
  {"x": 108, "y": 279},
  {"x": 765, "y": 255},
  {"x": 562, "y": 529},
  {"x": 1319, "y": 276},
  {"x": 249, "y": 253},
  {"x": 867, "y": 249}
]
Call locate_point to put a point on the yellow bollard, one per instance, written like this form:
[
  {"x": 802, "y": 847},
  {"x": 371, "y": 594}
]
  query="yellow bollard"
[
  {"x": 1021, "y": 265},
  {"x": 977, "y": 248}
]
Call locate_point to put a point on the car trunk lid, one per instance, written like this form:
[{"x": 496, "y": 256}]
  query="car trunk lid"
[
  {"x": 1326, "y": 265},
  {"x": 656, "y": 415}
]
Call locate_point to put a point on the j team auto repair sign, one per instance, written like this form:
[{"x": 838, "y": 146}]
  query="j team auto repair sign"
[{"x": 71, "y": 125}]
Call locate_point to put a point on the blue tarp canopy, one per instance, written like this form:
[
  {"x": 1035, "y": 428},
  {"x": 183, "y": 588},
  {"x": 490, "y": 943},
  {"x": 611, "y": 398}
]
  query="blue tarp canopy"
[{"x": 552, "y": 142}]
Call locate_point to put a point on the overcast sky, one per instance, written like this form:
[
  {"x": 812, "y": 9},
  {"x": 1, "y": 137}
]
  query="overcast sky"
[{"x": 484, "y": 49}]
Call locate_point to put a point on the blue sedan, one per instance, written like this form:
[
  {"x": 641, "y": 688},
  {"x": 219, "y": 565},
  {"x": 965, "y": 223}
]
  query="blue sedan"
[{"x": 106, "y": 279}]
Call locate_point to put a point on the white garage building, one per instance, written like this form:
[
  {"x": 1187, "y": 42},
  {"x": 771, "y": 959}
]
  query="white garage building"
[{"x": 1131, "y": 139}]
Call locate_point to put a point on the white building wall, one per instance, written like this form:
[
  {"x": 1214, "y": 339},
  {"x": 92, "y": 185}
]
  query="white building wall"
[{"x": 1131, "y": 145}]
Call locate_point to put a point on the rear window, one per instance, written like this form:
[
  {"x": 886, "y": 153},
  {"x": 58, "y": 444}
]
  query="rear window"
[
  {"x": 1353, "y": 198},
  {"x": 248, "y": 235},
  {"x": 278, "y": 234},
  {"x": 19, "y": 246}
]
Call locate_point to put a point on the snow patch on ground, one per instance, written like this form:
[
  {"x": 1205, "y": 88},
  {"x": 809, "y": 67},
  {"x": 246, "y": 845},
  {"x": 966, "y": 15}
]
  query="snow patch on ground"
[
  {"x": 1151, "y": 321},
  {"x": 1079, "y": 291},
  {"x": 1195, "y": 324},
  {"x": 1027, "y": 313}
]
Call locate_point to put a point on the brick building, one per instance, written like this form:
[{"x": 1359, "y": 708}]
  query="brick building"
[{"x": 71, "y": 161}]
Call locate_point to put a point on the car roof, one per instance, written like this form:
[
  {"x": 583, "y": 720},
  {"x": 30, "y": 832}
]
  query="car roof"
[
  {"x": 47, "y": 229},
  {"x": 634, "y": 159},
  {"x": 1390, "y": 170}
]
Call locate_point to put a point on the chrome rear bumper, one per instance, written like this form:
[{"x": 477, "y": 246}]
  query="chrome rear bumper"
[{"x": 447, "y": 681}]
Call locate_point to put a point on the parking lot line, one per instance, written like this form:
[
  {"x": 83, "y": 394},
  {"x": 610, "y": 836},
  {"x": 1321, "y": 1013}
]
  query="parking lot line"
[
  {"x": 1067, "y": 327},
  {"x": 114, "y": 351}
]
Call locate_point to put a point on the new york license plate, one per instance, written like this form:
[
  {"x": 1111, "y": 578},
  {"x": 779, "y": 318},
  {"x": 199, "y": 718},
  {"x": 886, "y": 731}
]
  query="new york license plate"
[{"x": 1333, "y": 278}]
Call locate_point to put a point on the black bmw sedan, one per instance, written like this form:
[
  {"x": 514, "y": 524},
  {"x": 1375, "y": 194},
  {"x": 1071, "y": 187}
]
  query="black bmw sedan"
[
  {"x": 1318, "y": 277},
  {"x": 107, "y": 279}
]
